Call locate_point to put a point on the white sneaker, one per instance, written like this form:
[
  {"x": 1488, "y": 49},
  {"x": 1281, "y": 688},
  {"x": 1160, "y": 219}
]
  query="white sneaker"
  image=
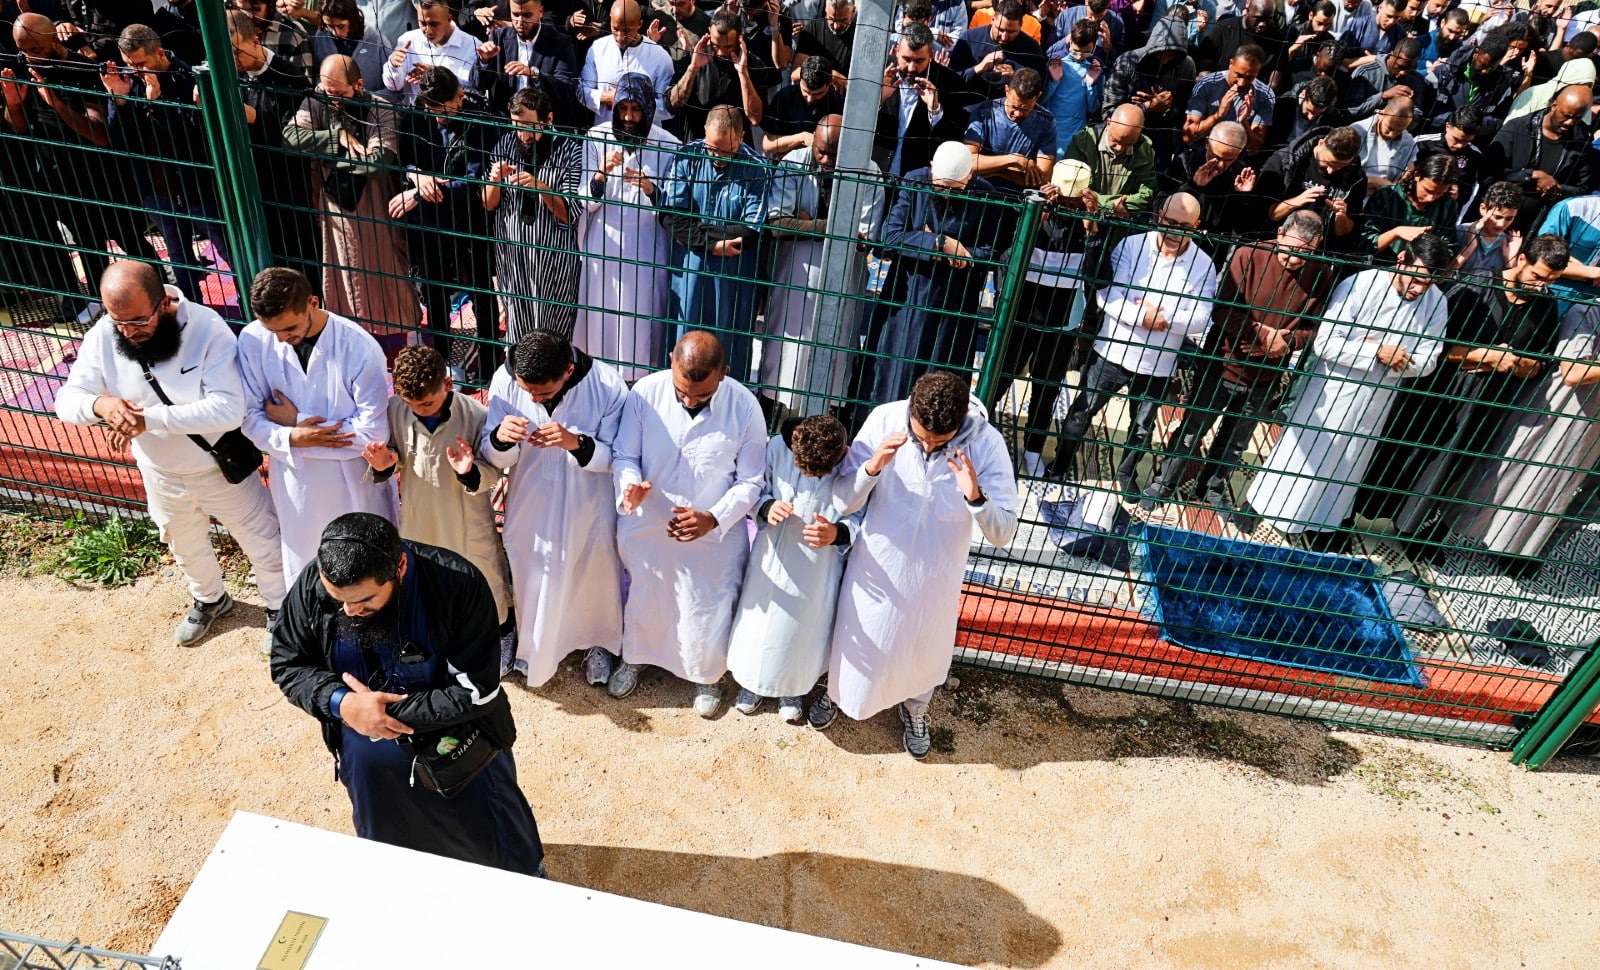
[
  {"x": 597, "y": 664},
  {"x": 623, "y": 680},
  {"x": 1033, "y": 464},
  {"x": 707, "y": 699},
  {"x": 748, "y": 702},
  {"x": 792, "y": 709}
]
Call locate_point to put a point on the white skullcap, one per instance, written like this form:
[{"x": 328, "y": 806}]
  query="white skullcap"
[{"x": 952, "y": 162}]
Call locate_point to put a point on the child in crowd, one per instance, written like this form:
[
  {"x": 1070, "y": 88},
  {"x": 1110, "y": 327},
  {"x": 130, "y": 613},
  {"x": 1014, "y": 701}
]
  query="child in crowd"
[
  {"x": 446, "y": 489},
  {"x": 779, "y": 646},
  {"x": 1488, "y": 246}
]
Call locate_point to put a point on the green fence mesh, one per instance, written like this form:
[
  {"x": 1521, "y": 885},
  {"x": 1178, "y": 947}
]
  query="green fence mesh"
[{"x": 1373, "y": 510}]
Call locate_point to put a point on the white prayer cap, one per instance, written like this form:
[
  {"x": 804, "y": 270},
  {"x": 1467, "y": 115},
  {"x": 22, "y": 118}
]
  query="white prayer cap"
[{"x": 952, "y": 162}]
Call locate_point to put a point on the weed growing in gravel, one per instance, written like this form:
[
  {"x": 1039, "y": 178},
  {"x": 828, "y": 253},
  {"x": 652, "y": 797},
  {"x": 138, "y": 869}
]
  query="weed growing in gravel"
[
  {"x": 114, "y": 553},
  {"x": 1407, "y": 776}
]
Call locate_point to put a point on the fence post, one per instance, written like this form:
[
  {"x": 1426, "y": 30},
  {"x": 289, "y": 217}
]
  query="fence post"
[
  {"x": 1561, "y": 715},
  {"x": 232, "y": 157},
  {"x": 1005, "y": 300}
]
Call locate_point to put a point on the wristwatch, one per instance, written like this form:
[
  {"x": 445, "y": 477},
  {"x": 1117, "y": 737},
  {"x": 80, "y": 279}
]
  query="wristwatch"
[{"x": 977, "y": 503}]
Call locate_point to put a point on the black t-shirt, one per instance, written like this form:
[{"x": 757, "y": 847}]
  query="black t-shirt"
[
  {"x": 1465, "y": 166},
  {"x": 789, "y": 114},
  {"x": 718, "y": 84},
  {"x": 819, "y": 40}
]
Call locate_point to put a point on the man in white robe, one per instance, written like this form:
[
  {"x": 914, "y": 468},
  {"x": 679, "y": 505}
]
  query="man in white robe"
[
  {"x": 895, "y": 627},
  {"x": 622, "y": 294},
  {"x": 316, "y": 395},
  {"x": 798, "y": 206},
  {"x": 189, "y": 351},
  {"x": 689, "y": 463},
  {"x": 1380, "y": 328},
  {"x": 553, "y": 416}
]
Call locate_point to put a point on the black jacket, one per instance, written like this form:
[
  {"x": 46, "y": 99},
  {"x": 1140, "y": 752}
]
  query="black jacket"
[
  {"x": 1293, "y": 169},
  {"x": 1514, "y": 155},
  {"x": 556, "y": 61},
  {"x": 462, "y": 625},
  {"x": 921, "y": 137}
]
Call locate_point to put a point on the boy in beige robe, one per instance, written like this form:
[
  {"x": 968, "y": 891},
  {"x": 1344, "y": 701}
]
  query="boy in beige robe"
[{"x": 444, "y": 489}]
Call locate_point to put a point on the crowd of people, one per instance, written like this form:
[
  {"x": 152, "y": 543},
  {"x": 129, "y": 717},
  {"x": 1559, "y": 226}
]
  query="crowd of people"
[{"x": 1369, "y": 225}]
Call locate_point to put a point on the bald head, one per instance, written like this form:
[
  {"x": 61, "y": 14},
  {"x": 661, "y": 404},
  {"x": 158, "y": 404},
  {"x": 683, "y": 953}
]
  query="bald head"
[
  {"x": 1181, "y": 208},
  {"x": 699, "y": 353},
  {"x": 340, "y": 76},
  {"x": 1124, "y": 128},
  {"x": 1567, "y": 110},
  {"x": 1129, "y": 115},
  {"x": 127, "y": 283},
  {"x": 626, "y": 13},
  {"x": 826, "y": 137},
  {"x": 1229, "y": 134},
  {"x": 35, "y": 35}
]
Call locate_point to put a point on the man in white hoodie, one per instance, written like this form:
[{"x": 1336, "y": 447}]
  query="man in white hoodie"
[{"x": 150, "y": 337}]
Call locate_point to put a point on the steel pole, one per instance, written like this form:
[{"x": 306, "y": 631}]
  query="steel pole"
[{"x": 838, "y": 307}]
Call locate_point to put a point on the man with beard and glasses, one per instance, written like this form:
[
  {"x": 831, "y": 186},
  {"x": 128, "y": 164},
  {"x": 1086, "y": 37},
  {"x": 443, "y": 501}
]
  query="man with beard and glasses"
[
  {"x": 150, "y": 334},
  {"x": 355, "y": 142},
  {"x": 316, "y": 395},
  {"x": 392, "y": 647},
  {"x": 533, "y": 180},
  {"x": 622, "y": 294},
  {"x": 797, "y": 213}
]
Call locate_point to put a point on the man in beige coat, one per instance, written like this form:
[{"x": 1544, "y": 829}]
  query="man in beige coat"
[{"x": 445, "y": 491}]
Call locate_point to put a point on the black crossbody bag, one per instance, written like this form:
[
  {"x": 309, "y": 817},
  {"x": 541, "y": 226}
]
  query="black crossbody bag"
[
  {"x": 448, "y": 761},
  {"x": 236, "y": 456}
]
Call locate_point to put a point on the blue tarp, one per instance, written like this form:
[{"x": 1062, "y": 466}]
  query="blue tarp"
[{"x": 1273, "y": 604}]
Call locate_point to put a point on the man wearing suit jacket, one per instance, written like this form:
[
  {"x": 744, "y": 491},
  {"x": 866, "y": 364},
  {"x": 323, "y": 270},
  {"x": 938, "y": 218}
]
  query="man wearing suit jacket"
[
  {"x": 923, "y": 104},
  {"x": 529, "y": 51}
]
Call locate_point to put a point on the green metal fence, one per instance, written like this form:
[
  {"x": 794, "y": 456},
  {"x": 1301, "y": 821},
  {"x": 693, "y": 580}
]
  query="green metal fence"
[{"x": 1221, "y": 590}]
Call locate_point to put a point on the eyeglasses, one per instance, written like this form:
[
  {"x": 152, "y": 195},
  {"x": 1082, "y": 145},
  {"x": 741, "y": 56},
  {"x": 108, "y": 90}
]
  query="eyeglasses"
[{"x": 136, "y": 324}]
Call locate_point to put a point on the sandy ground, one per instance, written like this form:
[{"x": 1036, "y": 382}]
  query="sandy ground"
[{"x": 1059, "y": 827}]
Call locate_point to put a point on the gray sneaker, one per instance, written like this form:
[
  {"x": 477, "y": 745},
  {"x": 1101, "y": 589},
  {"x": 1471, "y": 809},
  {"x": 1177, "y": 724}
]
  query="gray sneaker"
[
  {"x": 266, "y": 641},
  {"x": 597, "y": 664},
  {"x": 748, "y": 702},
  {"x": 822, "y": 713},
  {"x": 792, "y": 709},
  {"x": 623, "y": 680},
  {"x": 201, "y": 615},
  {"x": 917, "y": 740},
  {"x": 707, "y": 699}
]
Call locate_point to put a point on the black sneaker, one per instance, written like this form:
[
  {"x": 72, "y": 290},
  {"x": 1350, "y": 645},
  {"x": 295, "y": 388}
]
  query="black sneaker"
[
  {"x": 201, "y": 615},
  {"x": 822, "y": 714}
]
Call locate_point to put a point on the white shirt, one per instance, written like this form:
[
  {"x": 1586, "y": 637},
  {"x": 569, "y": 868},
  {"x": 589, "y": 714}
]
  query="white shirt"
[
  {"x": 909, "y": 97},
  {"x": 202, "y": 379},
  {"x": 459, "y": 53},
  {"x": 607, "y": 62},
  {"x": 1182, "y": 286}
]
